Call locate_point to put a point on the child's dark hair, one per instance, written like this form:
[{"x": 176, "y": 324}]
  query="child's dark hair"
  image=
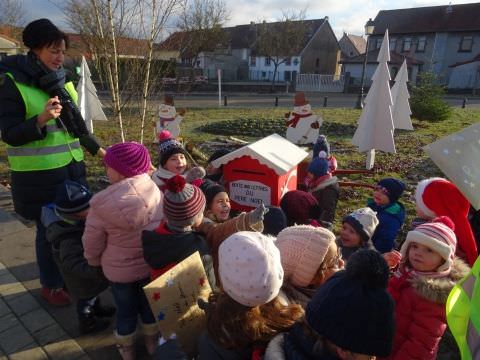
[
  {"x": 43, "y": 33},
  {"x": 235, "y": 326}
]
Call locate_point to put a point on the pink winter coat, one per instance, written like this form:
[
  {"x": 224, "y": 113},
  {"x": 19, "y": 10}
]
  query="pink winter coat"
[
  {"x": 115, "y": 222},
  {"x": 420, "y": 312}
]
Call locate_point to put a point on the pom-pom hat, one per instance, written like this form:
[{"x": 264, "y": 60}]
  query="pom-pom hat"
[
  {"x": 439, "y": 197},
  {"x": 437, "y": 235},
  {"x": 183, "y": 202},
  {"x": 128, "y": 159},
  {"x": 168, "y": 146},
  {"x": 353, "y": 310}
]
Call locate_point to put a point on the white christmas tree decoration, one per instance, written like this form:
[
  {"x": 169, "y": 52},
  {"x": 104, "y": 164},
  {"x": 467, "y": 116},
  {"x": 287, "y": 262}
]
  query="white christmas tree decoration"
[
  {"x": 401, "y": 108},
  {"x": 375, "y": 126},
  {"x": 88, "y": 102}
]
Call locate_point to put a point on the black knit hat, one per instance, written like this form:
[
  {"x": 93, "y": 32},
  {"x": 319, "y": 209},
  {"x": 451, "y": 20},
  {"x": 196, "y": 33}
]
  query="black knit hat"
[
  {"x": 218, "y": 154},
  {"x": 210, "y": 189},
  {"x": 42, "y": 32},
  {"x": 274, "y": 221},
  {"x": 71, "y": 198},
  {"x": 353, "y": 299},
  {"x": 393, "y": 187},
  {"x": 168, "y": 147}
]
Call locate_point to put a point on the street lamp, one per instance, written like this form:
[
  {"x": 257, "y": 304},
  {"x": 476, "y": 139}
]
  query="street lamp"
[{"x": 369, "y": 27}]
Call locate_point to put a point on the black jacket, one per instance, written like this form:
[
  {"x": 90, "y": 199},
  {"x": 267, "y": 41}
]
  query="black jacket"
[
  {"x": 83, "y": 281},
  {"x": 31, "y": 189},
  {"x": 160, "y": 250}
]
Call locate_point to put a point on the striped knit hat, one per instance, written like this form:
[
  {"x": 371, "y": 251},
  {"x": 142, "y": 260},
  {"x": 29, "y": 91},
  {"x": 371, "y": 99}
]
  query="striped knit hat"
[
  {"x": 438, "y": 235},
  {"x": 183, "y": 202},
  {"x": 303, "y": 249},
  {"x": 128, "y": 158}
]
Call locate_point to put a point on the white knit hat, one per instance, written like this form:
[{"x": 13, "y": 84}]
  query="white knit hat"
[
  {"x": 363, "y": 220},
  {"x": 438, "y": 235},
  {"x": 249, "y": 268},
  {"x": 303, "y": 249}
]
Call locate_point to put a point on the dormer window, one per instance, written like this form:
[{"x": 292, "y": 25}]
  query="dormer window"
[
  {"x": 466, "y": 43},
  {"x": 407, "y": 44},
  {"x": 422, "y": 43}
]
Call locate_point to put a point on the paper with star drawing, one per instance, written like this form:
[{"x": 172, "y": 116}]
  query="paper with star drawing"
[
  {"x": 458, "y": 156},
  {"x": 173, "y": 300}
]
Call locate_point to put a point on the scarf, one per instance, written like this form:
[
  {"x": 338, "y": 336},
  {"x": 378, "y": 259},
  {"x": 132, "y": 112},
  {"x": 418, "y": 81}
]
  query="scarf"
[{"x": 296, "y": 118}]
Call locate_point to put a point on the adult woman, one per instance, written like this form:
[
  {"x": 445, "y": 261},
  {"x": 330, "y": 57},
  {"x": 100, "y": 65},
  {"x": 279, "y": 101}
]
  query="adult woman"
[{"x": 41, "y": 153}]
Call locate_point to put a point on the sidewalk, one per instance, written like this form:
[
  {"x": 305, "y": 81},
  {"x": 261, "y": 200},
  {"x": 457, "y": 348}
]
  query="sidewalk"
[{"x": 29, "y": 327}]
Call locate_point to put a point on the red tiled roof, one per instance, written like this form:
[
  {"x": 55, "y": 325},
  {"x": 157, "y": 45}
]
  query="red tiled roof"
[
  {"x": 358, "y": 42},
  {"x": 463, "y": 17}
]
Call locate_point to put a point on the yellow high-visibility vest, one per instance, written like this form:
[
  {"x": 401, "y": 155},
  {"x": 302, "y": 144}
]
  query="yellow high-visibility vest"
[
  {"x": 463, "y": 314},
  {"x": 57, "y": 149}
]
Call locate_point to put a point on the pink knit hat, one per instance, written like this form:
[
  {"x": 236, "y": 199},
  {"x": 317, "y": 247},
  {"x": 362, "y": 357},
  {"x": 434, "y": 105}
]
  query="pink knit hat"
[
  {"x": 128, "y": 159},
  {"x": 438, "y": 235},
  {"x": 249, "y": 268},
  {"x": 303, "y": 249}
]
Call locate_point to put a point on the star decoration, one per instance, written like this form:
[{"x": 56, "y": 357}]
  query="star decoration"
[
  {"x": 169, "y": 282},
  {"x": 161, "y": 316},
  {"x": 201, "y": 281},
  {"x": 156, "y": 296}
]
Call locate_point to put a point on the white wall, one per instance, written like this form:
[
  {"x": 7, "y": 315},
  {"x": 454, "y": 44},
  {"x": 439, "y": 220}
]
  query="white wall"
[
  {"x": 465, "y": 76},
  {"x": 262, "y": 72}
]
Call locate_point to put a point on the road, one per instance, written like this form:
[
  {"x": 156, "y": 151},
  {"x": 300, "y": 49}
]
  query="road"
[{"x": 246, "y": 100}]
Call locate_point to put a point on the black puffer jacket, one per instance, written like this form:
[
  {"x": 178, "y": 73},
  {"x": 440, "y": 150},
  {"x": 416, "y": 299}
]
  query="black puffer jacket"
[
  {"x": 31, "y": 189},
  {"x": 83, "y": 281}
]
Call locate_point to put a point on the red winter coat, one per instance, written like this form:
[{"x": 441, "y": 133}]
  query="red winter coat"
[{"x": 420, "y": 312}]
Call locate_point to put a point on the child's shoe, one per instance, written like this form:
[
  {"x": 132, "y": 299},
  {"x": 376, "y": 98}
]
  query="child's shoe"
[
  {"x": 103, "y": 310},
  {"x": 56, "y": 297},
  {"x": 88, "y": 323}
]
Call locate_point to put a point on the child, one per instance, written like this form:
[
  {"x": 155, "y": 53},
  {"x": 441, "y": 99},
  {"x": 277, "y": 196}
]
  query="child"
[
  {"x": 349, "y": 317},
  {"x": 65, "y": 224},
  {"x": 390, "y": 213},
  {"x": 439, "y": 197},
  {"x": 112, "y": 239},
  {"x": 357, "y": 230},
  {"x": 217, "y": 224},
  {"x": 173, "y": 162},
  {"x": 213, "y": 173},
  {"x": 309, "y": 257},
  {"x": 322, "y": 149},
  {"x": 301, "y": 208},
  {"x": 174, "y": 240},
  {"x": 324, "y": 187},
  {"x": 247, "y": 313},
  {"x": 427, "y": 273}
]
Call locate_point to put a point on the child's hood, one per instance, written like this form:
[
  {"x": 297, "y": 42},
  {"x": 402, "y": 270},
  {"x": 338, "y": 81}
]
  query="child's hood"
[
  {"x": 131, "y": 203},
  {"x": 395, "y": 209},
  {"x": 437, "y": 289}
]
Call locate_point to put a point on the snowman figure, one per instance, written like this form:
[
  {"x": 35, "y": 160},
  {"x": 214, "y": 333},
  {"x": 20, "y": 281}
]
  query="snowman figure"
[
  {"x": 302, "y": 125},
  {"x": 168, "y": 118}
]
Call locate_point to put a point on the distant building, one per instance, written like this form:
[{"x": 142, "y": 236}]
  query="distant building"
[
  {"x": 440, "y": 39},
  {"x": 352, "y": 45}
]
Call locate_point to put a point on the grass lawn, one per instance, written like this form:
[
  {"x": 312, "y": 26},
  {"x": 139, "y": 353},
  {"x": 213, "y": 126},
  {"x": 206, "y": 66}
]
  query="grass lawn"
[{"x": 410, "y": 163}]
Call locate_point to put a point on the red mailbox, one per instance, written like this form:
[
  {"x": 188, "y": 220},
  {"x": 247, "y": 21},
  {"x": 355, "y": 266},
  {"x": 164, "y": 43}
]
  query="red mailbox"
[{"x": 263, "y": 171}]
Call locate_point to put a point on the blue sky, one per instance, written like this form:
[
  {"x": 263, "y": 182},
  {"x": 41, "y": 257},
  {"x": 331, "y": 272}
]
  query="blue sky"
[{"x": 344, "y": 15}]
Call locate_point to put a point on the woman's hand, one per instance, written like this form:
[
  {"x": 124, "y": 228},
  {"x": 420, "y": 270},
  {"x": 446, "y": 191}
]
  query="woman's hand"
[{"x": 52, "y": 110}]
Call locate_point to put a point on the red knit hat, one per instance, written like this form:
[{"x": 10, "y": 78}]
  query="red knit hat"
[
  {"x": 299, "y": 207},
  {"x": 182, "y": 202},
  {"x": 437, "y": 235},
  {"x": 440, "y": 197},
  {"x": 128, "y": 158}
]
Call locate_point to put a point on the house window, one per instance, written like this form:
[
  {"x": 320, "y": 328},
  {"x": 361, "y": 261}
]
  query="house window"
[
  {"x": 466, "y": 43},
  {"x": 287, "y": 75},
  {"x": 378, "y": 43},
  {"x": 198, "y": 63},
  {"x": 407, "y": 44},
  {"x": 268, "y": 61},
  {"x": 264, "y": 74},
  {"x": 317, "y": 62},
  {"x": 295, "y": 61},
  {"x": 253, "y": 60},
  {"x": 422, "y": 42},
  {"x": 393, "y": 44},
  {"x": 288, "y": 61}
]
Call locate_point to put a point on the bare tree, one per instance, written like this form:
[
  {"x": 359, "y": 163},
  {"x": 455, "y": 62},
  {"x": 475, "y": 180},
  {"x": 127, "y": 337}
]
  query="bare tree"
[
  {"x": 12, "y": 12},
  {"x": 112, "y": 28},
  {"x": 281, "y": 40},
  {"x": 201, "y": 22}
]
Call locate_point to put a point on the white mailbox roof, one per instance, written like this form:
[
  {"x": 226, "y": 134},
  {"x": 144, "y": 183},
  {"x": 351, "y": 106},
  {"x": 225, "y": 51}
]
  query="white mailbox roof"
[{"x": 273, "y": 151}]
